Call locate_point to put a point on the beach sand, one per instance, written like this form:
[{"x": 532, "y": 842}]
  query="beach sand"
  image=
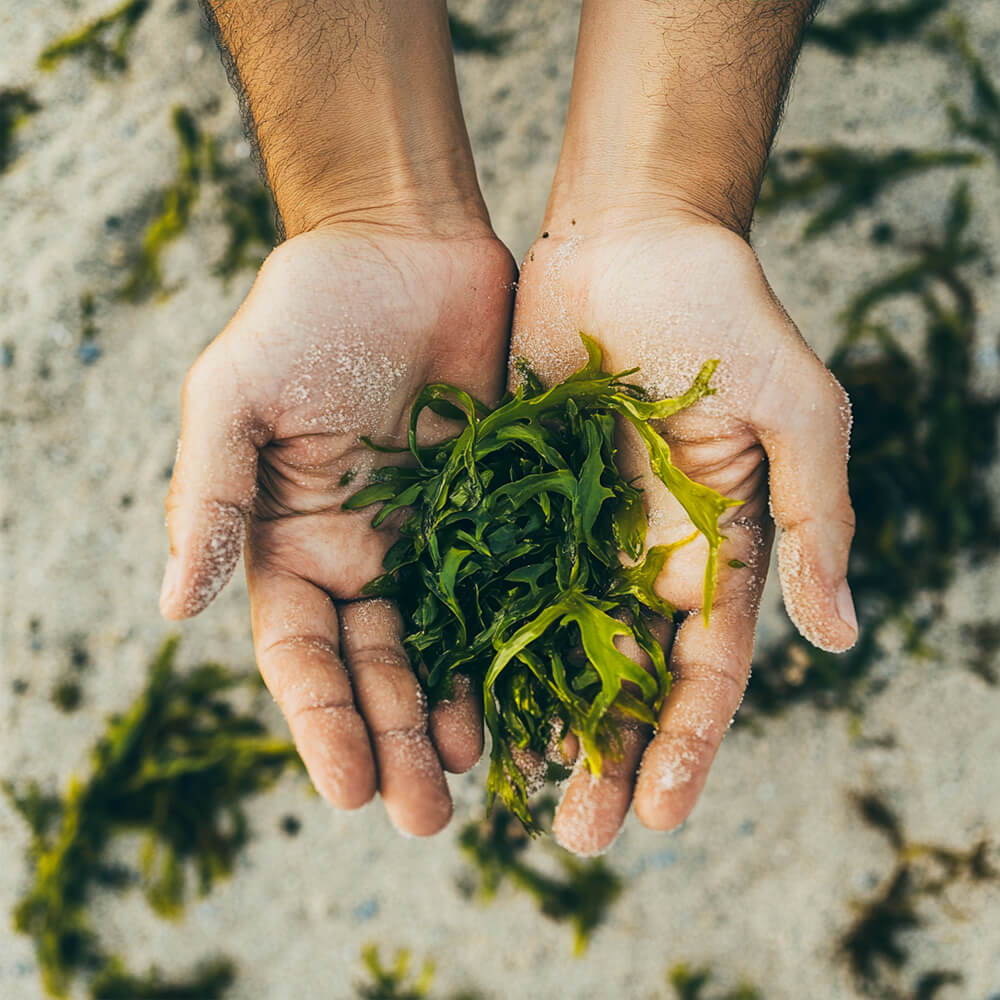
[{"x": 761, "y": 882}]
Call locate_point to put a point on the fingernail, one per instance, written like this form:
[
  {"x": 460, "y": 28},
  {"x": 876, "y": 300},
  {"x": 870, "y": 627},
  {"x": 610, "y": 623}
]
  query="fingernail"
[
  {"x": 169, "y": 583},
  {"x": 845, "y": 606}
]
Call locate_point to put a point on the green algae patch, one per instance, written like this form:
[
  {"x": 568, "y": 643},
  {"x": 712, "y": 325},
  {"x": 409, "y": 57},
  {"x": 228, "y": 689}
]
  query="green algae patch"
[
  {"x": 580, "y": 894},
  {"x": 175, "y": 767},
  {"x": 103, "y": 43}
]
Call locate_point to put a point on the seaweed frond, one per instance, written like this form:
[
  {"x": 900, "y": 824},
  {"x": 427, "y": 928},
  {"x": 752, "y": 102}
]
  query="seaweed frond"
[
  {"x": 874, "y": 945},
  {"x": 16, "y": 104},
  {"x": 873, "y": 25},
  {"x": 393, "y": 982},
  {"x": 244, "y": 203},
  {"x": 103, "y": 42},
  {"x": 175, "y": 767},
  {"x": 981, "y": 123},
  {"x": 845, "y": 179},
  {"x": 210, "y": 980},
  {"x": 690, "y": 984},
  {"x": 466, "y": 37},
  {"x": 581, "y": 896}
]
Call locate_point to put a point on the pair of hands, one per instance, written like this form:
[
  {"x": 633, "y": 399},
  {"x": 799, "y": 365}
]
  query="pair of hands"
[{"x": 342, "y": 327}]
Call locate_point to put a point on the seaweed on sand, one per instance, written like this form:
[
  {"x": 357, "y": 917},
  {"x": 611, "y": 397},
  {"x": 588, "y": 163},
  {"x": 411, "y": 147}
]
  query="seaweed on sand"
[
  {"x": 467, "y": 37},
  {"x": 845, "y": 179},
  {"x": 175, "y": 766},
  {"x": 395, "y": 982},
  {"x": 246, "y": 209},
  {"x": 581, "y": 895},
  {"x": 873, "y": 945},
  {"x": 176, "y": 203},
  {"x": 874, "y": 24},
  {"x": 982, "y": 123},
  {"x": 690, "y": 984},
  {"x": 16, "y": 104},
  {"x": 103, "y": 42},
  {"x": 209, "y": 980},
  {"x": 924, "y": 441}
]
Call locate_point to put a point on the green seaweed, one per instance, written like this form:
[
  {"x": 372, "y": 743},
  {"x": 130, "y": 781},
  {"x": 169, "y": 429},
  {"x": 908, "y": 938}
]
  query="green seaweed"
[
  {"x": 581, "y": 894},
  {"x": 874, "y": 945},
  {"x": 16, "y": 105},
  {"x": 508, "y": 567},
  {"x": 393, "y": 982},
  {"x": 845, "y": 179},
  {"x": 103, "y": 42},
  {"x": 396, "y": 982},
  {"x": 244, "y": 204},
  {"x": 874, "y": 24},
  {"x": 176, "y": 204},
  {"x": 690, "y": 984},
  {"x": 466, "y": 37},
  {"x": 982, "y": 122},
  {"x": 210, "y": 980},
  {"x": 924, "y": 441},
  {"x": 175, "y": 766}
]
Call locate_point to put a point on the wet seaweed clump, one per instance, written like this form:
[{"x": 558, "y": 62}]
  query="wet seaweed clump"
[
  {"x": 875, "y": 24},
  {"x": 395, "y": 981},
  {"x": 580, "y": 895},
  {"x": 103, "y": 43},
  {"x": 244, "y": 204},
  {"x": 923, "y": 444},
  {"x": 508, "y": 568},
  {"x": 844, "y": 179},
  {"x": 174, "y": 767},
  {"x": 16, "y": 105},
  {"x": 874, "y": 945},
  {"x": 690, "y": 984}
]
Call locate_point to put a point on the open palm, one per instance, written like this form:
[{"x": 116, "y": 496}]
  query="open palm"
[
  {"x": 665, "y": 297},
  {"x": 339, "y": 332}
]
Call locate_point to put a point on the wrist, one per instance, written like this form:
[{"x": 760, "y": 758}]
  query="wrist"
[
  {"x": 598, "y": 203},
  {"x": 433, "y": 196}
]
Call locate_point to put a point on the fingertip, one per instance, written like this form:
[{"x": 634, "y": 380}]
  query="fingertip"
[
  {"x": 333, "y": 744},
  {"x": 456, "y": 728},
  {"x": 414, "y": 788},
  {"x": 430, "y": 821},
  {"x": 670, "y": 782},
  {"x": 823, "y": 612},
  {"x": 594, "y": 807}
]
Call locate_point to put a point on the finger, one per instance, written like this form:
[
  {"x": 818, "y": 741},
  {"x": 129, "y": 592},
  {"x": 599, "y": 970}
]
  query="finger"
[
  {"x": 594, "y": 806},
  {"x": 807, "y": 447},
  {"x": 296, "y": 641},
  {"x": 710, "y": 667},
  {"x": 211, "y": 491},
  {"x": 456, "y": 726},
  {"x": 410, "y": 777}
]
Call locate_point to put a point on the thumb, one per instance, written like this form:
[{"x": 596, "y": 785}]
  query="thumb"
[
  {"x": 211, "y": 491},
  {"x": 806, "y": 438}
]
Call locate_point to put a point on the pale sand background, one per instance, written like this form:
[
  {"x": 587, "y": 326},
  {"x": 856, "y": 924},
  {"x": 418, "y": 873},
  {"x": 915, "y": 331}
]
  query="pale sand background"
[{"x": 759, "y": 881}]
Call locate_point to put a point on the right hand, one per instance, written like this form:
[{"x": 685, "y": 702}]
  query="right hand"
[{"x": 666, "y": 294}]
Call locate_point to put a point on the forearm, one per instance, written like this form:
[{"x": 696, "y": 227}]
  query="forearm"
[
  {"x": 675, "y": 103},
  {"x": 355, "y": 108}
]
